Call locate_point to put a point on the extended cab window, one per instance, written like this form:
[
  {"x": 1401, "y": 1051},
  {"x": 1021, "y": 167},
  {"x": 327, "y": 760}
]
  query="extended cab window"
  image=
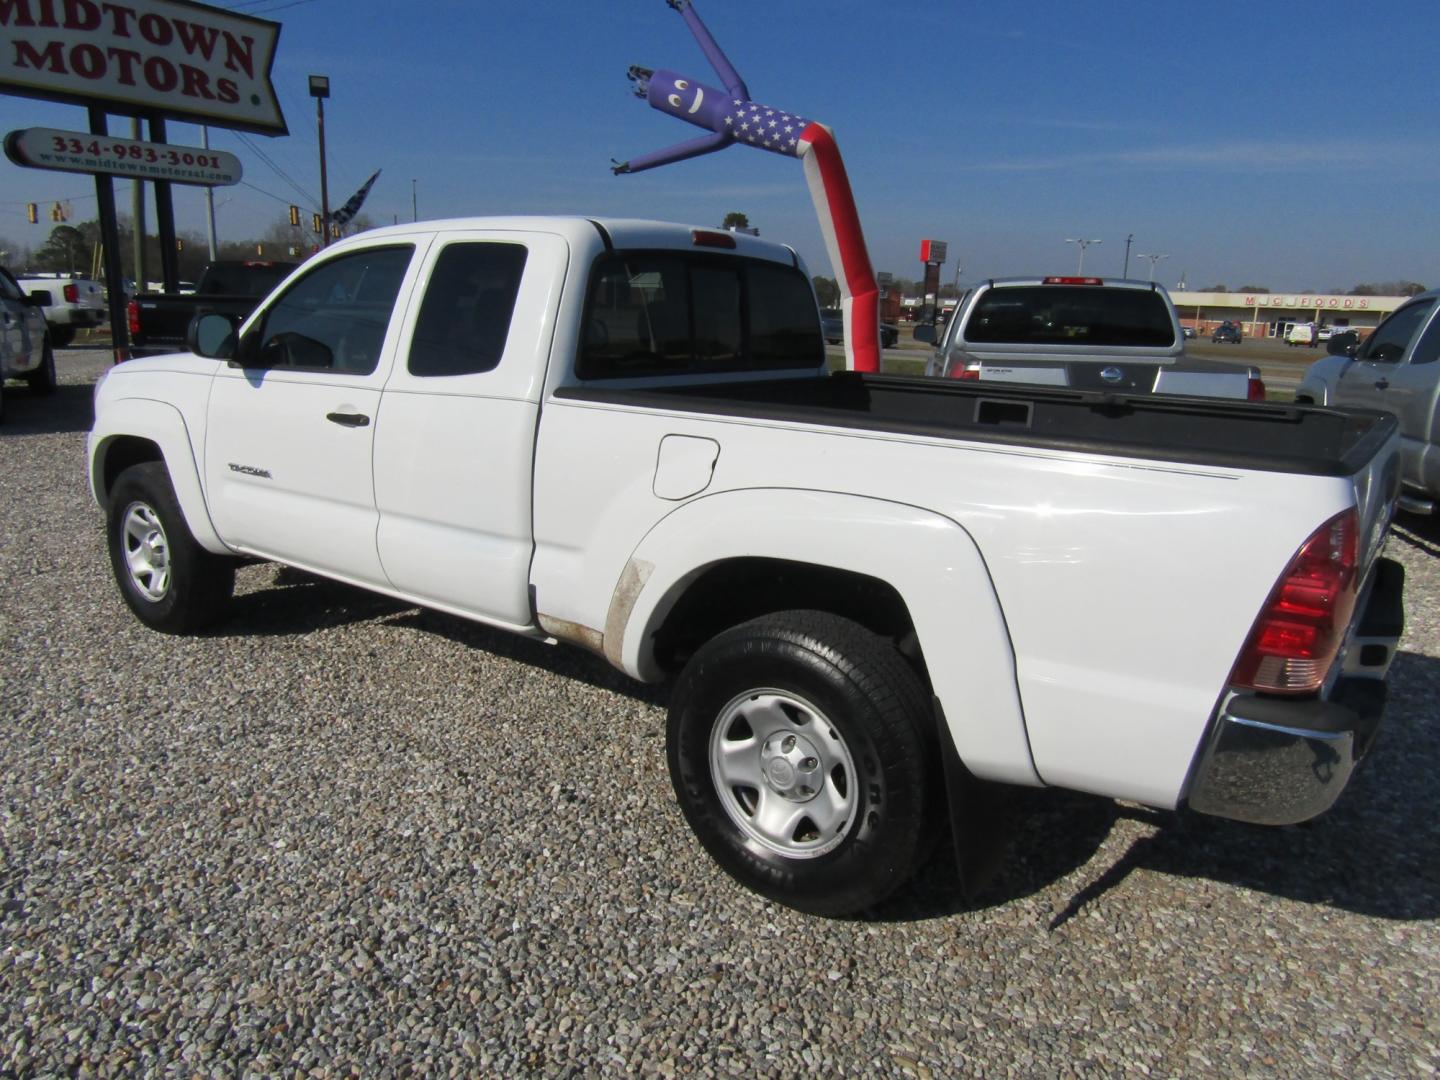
[
  {"x": 1394, "y": 335},
  {"x": 465, "y": 316},
  {"x": 1071, "y": 315},
  {"x": 334, "y": 318},
  {"x": 664, "y": 313}
]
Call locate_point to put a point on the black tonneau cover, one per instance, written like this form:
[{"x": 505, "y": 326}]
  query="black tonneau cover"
[{"x": 1200, "y": 431}]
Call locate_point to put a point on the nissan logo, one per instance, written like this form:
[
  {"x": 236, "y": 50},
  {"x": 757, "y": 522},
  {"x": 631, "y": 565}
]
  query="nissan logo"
[{"x": 1111, "y": 374}]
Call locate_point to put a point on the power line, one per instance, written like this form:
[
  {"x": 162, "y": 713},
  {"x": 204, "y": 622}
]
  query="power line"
[{"x": 274, "y": 168}]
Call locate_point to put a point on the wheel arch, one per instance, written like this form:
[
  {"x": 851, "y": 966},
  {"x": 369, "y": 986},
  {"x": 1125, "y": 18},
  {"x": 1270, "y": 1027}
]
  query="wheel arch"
[
  {"x": 896, "y": 569},
  {"x": 115, "y": 445}
]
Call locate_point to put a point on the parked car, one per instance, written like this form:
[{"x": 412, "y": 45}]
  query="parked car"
[
  {"x": 158, "y": 321},
  {"x": 1188, "y": 332},
  {"x": 76, "y": 303},
  {"x": 1086, "y": 333},
  {"x": 1303, "y": 335},
  {"x": 1227, "y": 333},
  {"x": 832, "y": 324},
  {"x": 1395, "y": 369},
  {"x": 1325, "y": 333},
  {"x": 25, "y": 348}
]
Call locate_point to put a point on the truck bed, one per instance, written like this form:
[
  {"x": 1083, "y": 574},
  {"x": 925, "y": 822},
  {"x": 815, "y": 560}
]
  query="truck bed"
[{"x": 1202, "y": 431}]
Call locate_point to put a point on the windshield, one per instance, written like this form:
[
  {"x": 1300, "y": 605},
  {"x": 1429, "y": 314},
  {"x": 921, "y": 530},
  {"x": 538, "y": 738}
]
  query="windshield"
[
  {"x": 1393, "y": 337},
  {"x": 1071, "y": 315}
]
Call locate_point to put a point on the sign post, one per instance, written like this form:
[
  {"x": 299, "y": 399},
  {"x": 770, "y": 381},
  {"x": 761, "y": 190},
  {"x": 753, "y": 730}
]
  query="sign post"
[
  {"x": 149, "y": 59},
  {"x": 932, "y": 254}
]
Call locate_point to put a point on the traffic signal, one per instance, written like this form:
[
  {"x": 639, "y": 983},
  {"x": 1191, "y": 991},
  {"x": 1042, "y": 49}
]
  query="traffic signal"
[
  {"x": 57, "y": 212},
  {"x": 334, "y": 232},
  {"x": 294, "y": 215},
  {"x": 315, "y": 225},
  {"x": 32, "y": 212},
  {"x": 179, "y": 245}
]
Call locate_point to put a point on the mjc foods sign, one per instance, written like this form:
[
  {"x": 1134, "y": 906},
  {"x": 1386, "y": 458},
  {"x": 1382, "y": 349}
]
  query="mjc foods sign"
[
  {"x": 160, "y": 57},
  {"x": 1330, "y": 303}
]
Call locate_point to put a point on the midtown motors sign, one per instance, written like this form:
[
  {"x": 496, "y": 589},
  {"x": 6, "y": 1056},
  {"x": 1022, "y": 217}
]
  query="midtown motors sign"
[{"x": 147, "y": 57}]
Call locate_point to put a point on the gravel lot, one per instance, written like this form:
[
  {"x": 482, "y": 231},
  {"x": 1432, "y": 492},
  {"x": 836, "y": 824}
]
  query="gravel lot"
[{"x": 343, "y": 836}]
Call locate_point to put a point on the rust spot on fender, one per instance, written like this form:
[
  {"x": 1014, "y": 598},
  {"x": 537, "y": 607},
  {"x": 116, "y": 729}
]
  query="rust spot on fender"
[
  {"x": 622, "y": 603},
  {"x": 565, "y": 630}
]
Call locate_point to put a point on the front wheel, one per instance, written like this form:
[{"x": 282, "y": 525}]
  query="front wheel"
[
  {"x": 798, "y": 746},
  {"x": 168, "y": 580}
]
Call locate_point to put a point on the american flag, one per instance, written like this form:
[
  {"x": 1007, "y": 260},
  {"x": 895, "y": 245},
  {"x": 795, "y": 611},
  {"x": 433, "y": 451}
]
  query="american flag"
[
  {"x": 352, "y": 205},
  {"x": 766, "y": 128}
]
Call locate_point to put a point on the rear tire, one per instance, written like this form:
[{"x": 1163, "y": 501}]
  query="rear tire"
[
  {"x": 799, "y": 748},
  {"x": 168, "y": 580},
  {"x": 42, "y": 379}
]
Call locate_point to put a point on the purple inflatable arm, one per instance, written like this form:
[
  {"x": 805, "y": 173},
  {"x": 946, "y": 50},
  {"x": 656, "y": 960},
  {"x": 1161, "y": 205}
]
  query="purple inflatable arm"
[{"x": 729, "y": 114}]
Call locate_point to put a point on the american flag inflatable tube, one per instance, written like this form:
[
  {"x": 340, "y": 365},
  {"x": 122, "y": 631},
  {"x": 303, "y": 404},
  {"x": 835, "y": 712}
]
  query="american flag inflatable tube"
[{"x": 732, "y": 116}]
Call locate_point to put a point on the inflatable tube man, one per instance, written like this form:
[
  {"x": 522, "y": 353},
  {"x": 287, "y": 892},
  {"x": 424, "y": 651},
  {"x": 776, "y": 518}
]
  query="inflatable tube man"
[{"x": 730, "y": 116}]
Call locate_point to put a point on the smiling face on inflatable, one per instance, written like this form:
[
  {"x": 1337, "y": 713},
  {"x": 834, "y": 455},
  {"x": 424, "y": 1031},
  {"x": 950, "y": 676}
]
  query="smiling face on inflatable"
[{"x": 689, "y": 100}]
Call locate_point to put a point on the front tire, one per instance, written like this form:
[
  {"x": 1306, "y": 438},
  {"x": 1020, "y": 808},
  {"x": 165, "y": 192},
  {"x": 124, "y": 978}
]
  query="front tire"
[
  {"x": 42, "y": 379},
  {"x": 798, "y": 746},
  {"x": 168, "y": 580}
]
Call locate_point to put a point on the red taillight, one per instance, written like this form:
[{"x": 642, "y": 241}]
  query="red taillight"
[
  {"x": 964, "y": 371},
  {"x": 1072, "y": 281},
  {"x": 72, "y": 294},
  {"x": 132, "y": 316},
  {"x": 1303, "y": 624},
  {"x": 1255, "y": 390}
]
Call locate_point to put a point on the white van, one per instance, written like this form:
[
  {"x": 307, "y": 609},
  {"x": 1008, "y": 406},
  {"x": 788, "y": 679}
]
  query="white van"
[{"x": 1303, "y": 333}]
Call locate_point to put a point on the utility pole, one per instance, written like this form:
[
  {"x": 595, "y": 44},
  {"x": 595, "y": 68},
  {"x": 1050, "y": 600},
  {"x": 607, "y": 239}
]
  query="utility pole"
[{"x": 1128, "y": 241}]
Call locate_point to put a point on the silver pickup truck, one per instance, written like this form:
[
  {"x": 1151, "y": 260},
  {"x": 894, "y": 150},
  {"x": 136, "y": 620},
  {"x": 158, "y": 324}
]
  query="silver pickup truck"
[
  {"x": 1086, "y": 333},
  {"x": 1393, "y": 370}
]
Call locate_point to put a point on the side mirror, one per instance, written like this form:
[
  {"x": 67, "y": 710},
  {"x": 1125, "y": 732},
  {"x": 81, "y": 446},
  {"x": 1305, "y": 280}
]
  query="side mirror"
[
  {"x": 1343, "y": 344},
  {"x": 40, "y": 298},
  {"x": 925, "y": 332},
  {"x": 211, "y": 334}
]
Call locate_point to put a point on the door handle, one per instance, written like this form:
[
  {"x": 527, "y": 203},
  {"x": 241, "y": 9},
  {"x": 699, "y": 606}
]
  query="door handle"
[
  {"x": 348, "y": 419},
  {"x": 1382, "y": 383}
]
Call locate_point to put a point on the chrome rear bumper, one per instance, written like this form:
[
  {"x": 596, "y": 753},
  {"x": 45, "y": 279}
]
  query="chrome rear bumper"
[{"x": 1279, "y": 761}]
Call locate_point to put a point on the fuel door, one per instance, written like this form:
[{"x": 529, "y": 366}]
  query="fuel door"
[{"x": 684, "y": 466}]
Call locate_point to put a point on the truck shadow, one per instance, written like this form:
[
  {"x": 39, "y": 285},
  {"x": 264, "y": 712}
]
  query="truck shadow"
[
  {"x": 68, "y": 410},
  {"x": 294, "y": 602},
  {"x": 1418, "y": 531},
  {"x": 1377, "y": 853}
]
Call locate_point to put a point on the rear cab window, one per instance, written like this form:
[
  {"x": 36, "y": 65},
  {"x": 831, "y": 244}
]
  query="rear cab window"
[
  {"x": 1081, "y": 315},
  {"x": 661, "y": 313}
]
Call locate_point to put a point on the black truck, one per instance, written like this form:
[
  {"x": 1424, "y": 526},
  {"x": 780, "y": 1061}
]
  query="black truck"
[{"x": 158, "y": 321}]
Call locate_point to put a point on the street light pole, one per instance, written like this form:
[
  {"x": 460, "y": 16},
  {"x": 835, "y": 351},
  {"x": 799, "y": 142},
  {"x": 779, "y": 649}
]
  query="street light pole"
[
  {"x": 414, "y": 206},
  {"x": 1080, "y": 269},
  {"x": 320, "y": 90},
  {"x": 1153, "y": 260},
  {"x": 1128, "y": 240}
]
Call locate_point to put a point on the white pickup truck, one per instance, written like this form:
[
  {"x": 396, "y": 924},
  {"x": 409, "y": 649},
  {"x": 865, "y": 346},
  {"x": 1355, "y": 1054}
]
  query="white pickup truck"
[
  {"x": 879, "y": 595},
  {"x": 1088, "y": 333},
  {"x": 76, "y": 303}
]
